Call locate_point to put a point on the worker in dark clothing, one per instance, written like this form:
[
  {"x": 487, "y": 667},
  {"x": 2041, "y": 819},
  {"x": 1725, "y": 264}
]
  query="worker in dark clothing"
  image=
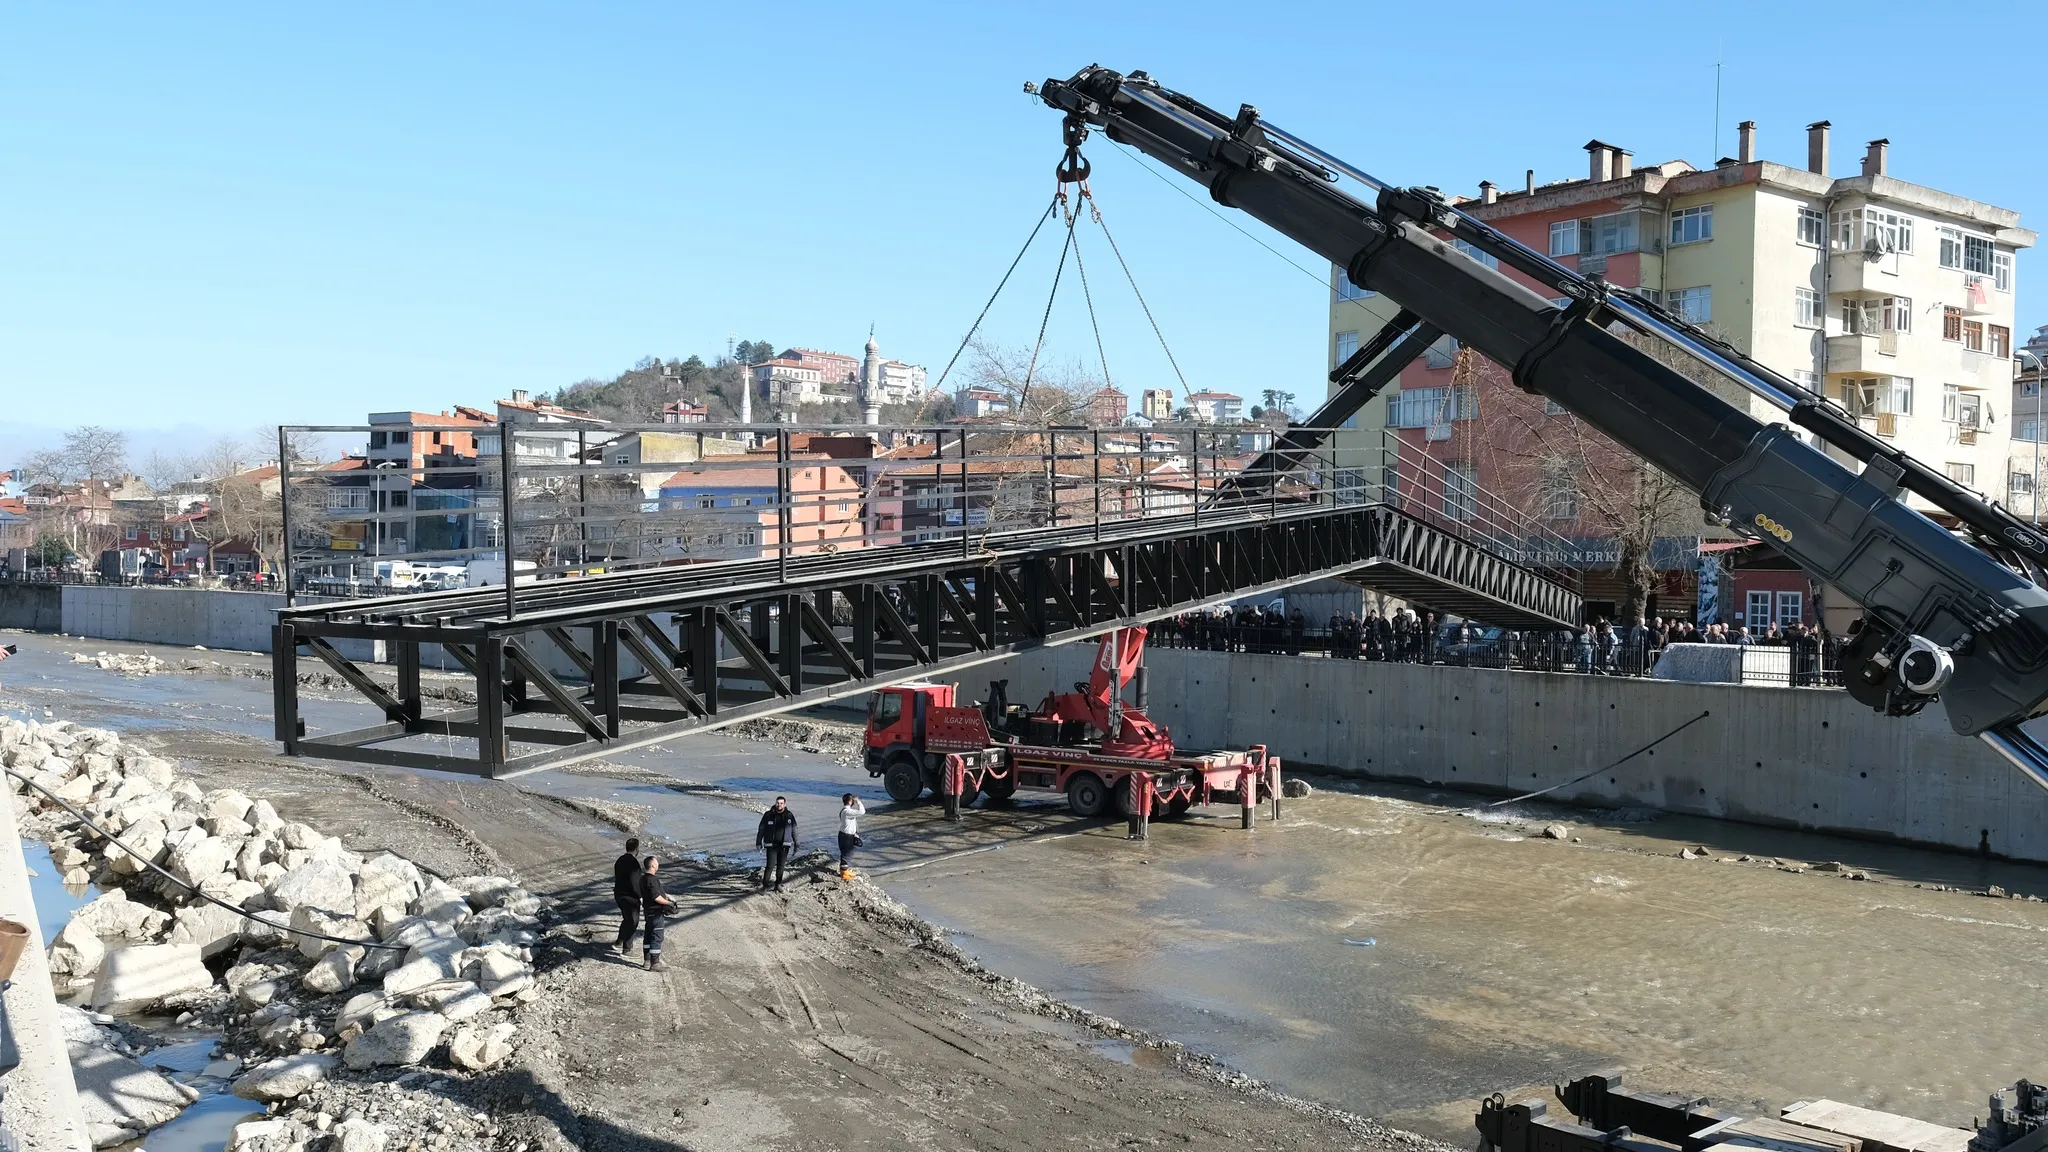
[
  {"x": 777, "y": 835},
  {"x": 626, "y": 893},
  {"x": 655, "y": 905}
]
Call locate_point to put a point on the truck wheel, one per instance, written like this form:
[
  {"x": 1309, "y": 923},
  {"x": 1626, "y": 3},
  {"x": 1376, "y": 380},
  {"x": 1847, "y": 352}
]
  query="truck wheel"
[
  {"x": 1177, "y": 807},
  {"x": 1087, "y": 795},
  {"x": 902, "y": 780},
  {"x": 999, "y": 791}
]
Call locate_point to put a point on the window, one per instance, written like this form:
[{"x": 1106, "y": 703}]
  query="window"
[
  {"x": 706, "y": 500},
  {"x": 1951, "y": 323},
  {"x": 2020, "y": 484},
  {"x": 1977, "y": 254},
  {"x": 1347, "y": 346},
  {"x": 1461, "y": 487},
  {"x": 131, "y": 532},
  {"x": 1692, "y": 225},
  {"x": 746, "y": 536},
  {"x": 1428, "y": 407},
  {"x": 398, "y": 499},
  {"x": 2001, "y": 341},
  {"x": 1951, "y": 255},
  {"x": 622, "y": 458},
  {"x": 2001, "y": 271},
  {"x": 1693, "y": 305},
  {"x": 1878, "y": 395},
  {"x": 1614, "y": 232},
  {"x": 1950, "y": 397},
  {"x": 1475, "y": 255},
  {"x": 1813, "y": 226},
  {"x": 1806, "y": 305},
  {"x": 1560, "y": 490},
  {"x": 1872, "y": 315},
  {"x": 1807, "y": 377},
  {"x": 1441, "y": 353},
  {"x": 1759, "y": 609},
  {"x": 1973, "y": 335},
  {"x": 1845, "y": 228},
  {"x": 1564, "y": 238},
  {"x": 1961, "y": 473},
  {"x": 178, "y": 534},
  {"x": 1346, "y": 290},
  {"x": 1791, "y": 608},
  {"x": 1890, "y": 231}
]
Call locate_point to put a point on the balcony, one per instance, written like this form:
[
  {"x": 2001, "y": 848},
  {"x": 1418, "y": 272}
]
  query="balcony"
[
  {"x": 1872, "y": 352},
  {"x": 1854, "y": 272}
]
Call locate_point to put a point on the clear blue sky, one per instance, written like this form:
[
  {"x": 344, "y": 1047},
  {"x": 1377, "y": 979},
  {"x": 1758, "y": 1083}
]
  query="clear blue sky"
[{"x": 229, "y": 215}]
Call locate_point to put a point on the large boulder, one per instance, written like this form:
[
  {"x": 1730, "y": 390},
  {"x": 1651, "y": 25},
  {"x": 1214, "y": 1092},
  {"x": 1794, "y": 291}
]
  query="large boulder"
[
  {"x": 321, "y": 884},
  {"x": 307, "y": 918},
  {"x": 360, "y": 1010},
  {"x": 118, "y": 1095},
  {"x": 235, "y": 891},
  {"x": 76, "y": 952},
  {"x": 210, "y": 927},
  {"x": 475, "y": 1047},
  {"x": 385, "y": 882},
  {"x": 456, "y": 1000},
  {"x": 264, "y": 818},
  {"x": 440, "y": 901},
  {"x": 484, "y": 891},
  {"x": 256, "y": 1135},
  {"x": 285, "y": 1078},
  {"x": 224, "y": 804},
  {"x": 143, "y": 765},
  {"x": 134, "y": 978},
  {"x": 200, "y": 858},
  {"x": 414, "y": 975},
  {"x": 254, "y": 854},
  {"x": 146, "y": 837},
  {"x": 299, "y": 836},
  {"x": 403, "y": 1039},
  {"x": 332, "y": 972},
  {"x": 112, "y": 914},
  {"x": 356, "y": 1134}
]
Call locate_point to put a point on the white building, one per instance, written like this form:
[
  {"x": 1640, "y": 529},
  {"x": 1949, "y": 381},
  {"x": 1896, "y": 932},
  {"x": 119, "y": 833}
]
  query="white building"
[{"x": 1216, "y": 407}]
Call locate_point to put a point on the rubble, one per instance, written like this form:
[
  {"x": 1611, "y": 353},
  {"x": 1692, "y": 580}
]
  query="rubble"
[
  {"x": 446, "y": 960},
  {"x": 136, "y": 664}
]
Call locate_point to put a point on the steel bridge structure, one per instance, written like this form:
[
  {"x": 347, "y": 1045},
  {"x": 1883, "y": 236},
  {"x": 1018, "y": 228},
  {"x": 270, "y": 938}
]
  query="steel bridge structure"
[{"x": 580, "y": 659}]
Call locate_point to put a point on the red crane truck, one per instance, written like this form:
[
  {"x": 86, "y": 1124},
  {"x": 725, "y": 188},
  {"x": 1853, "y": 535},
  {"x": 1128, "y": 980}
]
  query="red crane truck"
[{"x": 1088, "y": 744}]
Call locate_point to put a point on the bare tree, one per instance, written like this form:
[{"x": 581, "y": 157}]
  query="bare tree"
[
  {"x": 1554, "y": 467},
  {"x": 1040, "y": 391}
]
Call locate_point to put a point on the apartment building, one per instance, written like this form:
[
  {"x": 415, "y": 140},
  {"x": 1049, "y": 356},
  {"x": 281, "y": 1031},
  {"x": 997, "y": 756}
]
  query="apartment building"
[
  {"x": 1894, "y": 299},
  {"x": 1216, "y": 407}
]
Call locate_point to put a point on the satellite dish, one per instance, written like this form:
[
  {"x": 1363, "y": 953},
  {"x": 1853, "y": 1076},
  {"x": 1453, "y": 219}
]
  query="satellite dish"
[{"x": 1873, "y": 250}]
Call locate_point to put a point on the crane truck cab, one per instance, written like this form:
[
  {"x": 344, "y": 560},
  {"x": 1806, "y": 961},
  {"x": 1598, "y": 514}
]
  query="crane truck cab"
[{"x": 911, "y": 730}]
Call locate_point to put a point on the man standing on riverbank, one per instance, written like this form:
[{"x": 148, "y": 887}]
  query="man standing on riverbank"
[
  {"x": 777, "y": 836},
  {"x": 850, "y": 812},
  {"x": 626, "y": 894},
  {"x": 655, "y": 905}
]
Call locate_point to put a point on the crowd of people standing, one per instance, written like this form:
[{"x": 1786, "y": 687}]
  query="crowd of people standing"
[{"x": 1407, "y": 635}]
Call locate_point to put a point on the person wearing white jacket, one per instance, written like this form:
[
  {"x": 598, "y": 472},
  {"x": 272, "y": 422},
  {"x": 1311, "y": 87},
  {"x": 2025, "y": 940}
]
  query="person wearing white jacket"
[{"x": 850, "y": 812}]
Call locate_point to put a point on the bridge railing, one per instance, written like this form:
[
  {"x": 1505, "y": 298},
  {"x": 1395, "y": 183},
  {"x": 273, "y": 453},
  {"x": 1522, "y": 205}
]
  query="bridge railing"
[{"x": 428, "y": 503}]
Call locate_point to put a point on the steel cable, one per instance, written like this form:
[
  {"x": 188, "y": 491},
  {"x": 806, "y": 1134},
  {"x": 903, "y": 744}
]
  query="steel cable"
[{"x": 1609, "y": 768}]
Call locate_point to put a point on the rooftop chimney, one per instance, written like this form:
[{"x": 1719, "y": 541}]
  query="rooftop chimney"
[
  {"x": 1874, "y": 157},
  {"x": 1745, "y": 135},
  {"x": 1487, "y": 193},
  {"x": 1529, "y": 182},
  {"x": 1817, "y": 147},
  {"x": 1624, "y": 164},
  {"x": 519, "y": 395},
  {"x": 1600, "y": 161}
]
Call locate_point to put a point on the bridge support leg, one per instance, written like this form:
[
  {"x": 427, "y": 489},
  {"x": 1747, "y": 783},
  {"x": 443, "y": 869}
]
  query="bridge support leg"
[
  {"x": 1247, "y": 795},
  {"x": 284, "y": 685}
]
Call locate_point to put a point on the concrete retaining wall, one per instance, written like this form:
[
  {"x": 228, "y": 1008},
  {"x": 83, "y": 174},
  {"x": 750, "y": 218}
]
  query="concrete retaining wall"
[
  {"x": 31, "y": 607},
  {"x": 1806, "y": 758},
  {"x": 180, "y": 616}
]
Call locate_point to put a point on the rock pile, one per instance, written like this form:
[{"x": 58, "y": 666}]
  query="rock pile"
[
  {"x": 128, "y": 664},
  {"x": 413, "y": 968}
]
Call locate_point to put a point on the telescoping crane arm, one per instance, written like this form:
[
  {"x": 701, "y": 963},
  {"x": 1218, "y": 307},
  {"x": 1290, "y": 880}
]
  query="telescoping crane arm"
[{"x": 1944, "y": 617}]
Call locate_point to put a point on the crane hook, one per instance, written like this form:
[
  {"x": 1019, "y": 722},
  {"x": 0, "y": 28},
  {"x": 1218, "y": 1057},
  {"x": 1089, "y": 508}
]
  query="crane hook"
[{"x": 1073, "y": 168}]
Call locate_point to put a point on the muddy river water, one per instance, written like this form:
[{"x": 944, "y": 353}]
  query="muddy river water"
[{"x": 1387, "y": 950}]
